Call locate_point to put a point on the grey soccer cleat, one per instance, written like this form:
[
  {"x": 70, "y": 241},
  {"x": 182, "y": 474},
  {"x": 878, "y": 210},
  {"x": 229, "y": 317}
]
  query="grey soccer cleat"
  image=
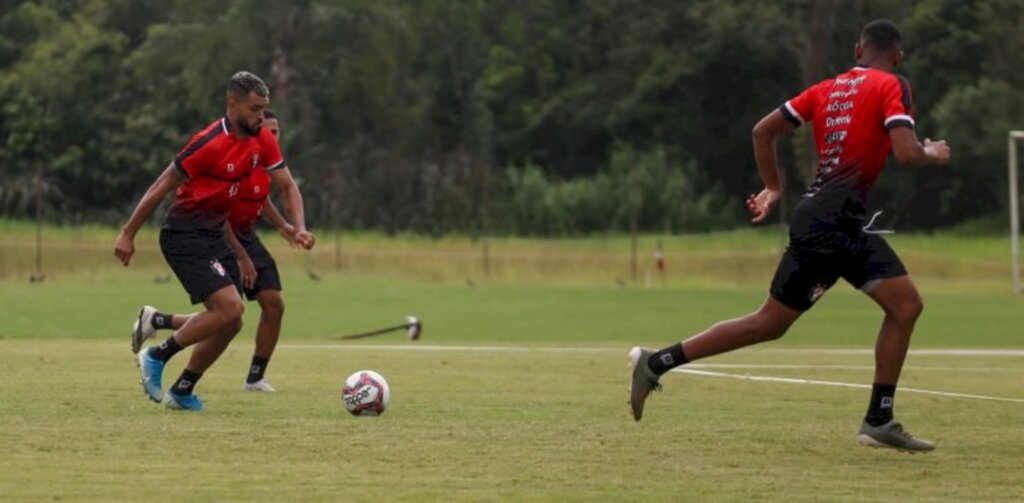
[
  {"x": 642, "y": 380},
  {"x": 892, "y": 436},
  {"x": 143, "y": 328}
]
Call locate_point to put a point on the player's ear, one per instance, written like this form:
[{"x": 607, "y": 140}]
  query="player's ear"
[
  {"x": 899, "y": 58},
  {"x": 858, "y": 51}
]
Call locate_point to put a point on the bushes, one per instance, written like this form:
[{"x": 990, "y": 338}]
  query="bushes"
[{"x": 661, "y": 194}]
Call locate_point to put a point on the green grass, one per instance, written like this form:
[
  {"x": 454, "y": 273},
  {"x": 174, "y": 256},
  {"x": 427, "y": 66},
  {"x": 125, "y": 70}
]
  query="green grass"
[
  {"x": 477, "y": 423},
  {"x": 518, "y": 388},
  {"x": 489, "y": 425}
]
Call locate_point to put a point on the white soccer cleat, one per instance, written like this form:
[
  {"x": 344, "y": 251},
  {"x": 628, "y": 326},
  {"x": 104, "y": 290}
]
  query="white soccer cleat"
[
  {"x": 261, "y": 385},
  {"x": 143, "y": 328}
]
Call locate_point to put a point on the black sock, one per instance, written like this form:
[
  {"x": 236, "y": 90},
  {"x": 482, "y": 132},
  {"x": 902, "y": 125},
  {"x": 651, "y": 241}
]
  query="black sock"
[
  {"x": 161, "y": 320},
  {"x": 667, "y": 359},
  {"x": 880, "y": 409},
  {"x": 258, "y": 367},
  {"x": 165, "y": 350},
  {"x": 185, "y": 383}
]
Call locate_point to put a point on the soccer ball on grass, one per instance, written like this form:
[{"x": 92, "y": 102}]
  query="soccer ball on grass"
[{"x": 366, "y": 393}]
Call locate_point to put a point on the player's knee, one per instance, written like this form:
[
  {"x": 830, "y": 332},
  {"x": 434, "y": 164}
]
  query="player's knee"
[
  {"x": 273, "y": 307},
  {"x": 909, "y": 310},
  {"x": 276, "y": 307},
  {"x": 231, "y": 312}
]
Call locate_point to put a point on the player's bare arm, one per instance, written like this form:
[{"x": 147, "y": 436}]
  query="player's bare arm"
[
  {"x": 169, "y": 180},
  {"x": 245, "y": 264},
  {"x": 292, "y": 198},
  {"x": 910, "y": 152},
  {"x": 765, "y": 132},
  {"x": 272, "y": 215}
]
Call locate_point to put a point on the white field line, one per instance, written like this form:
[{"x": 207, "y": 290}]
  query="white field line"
[
  {"x": 692, "y": 371},
  {"x": 524, "y": 349},
  {"x": 790, "y": 380},
  {"x": 787, "y": 366},
  {"x": 917, "y": 352},
  {"x": 583, "y": 349}
]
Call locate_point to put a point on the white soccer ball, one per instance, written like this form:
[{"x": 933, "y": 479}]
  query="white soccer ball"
[{"x": 366, "y": 393}]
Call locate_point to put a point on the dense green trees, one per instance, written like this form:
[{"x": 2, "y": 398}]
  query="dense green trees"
[{"x": 536, "y": 117}]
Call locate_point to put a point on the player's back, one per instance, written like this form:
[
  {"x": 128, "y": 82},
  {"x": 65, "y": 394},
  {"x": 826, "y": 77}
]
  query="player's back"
[{"x": 852, "y": 114}]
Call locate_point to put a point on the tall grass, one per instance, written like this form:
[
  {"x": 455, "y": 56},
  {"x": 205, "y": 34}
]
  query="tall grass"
[{"x": 734, "y": 258}]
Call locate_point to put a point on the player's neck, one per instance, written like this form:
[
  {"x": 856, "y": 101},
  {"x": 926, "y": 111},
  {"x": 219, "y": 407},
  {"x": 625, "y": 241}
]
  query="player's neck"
[{"x": 876, "y": 63}]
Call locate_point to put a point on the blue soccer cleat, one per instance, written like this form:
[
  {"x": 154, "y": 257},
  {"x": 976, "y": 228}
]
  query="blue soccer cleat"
[
  {"x": 175, "y": 401},
  {"x": 151, "y": 371}
]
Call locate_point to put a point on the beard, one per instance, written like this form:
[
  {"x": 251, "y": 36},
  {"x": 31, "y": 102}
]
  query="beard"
[{"x": 249, "y": 128}]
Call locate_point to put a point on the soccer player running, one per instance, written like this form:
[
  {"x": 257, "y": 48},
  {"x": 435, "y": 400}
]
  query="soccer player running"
[
  {"x": 206, "y": 176},
  {"x": 249, "y": 264},
  {"x": 858, "y": 117}
]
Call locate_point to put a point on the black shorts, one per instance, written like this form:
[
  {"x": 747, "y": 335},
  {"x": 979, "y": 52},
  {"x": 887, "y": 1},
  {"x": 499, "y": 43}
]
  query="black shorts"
[
  {"x": 267, "y": 277},
  {"x": 194, "y": 257},
  {"x": 806, "y": 272}
]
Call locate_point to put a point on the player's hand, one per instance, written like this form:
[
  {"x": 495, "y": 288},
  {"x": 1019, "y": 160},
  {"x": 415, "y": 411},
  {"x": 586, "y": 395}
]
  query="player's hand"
[
  {"x": 124, "y": 248},
  {"x": 762, "y": 204},
  {"x": 248, "y": 270},
  {"x": 288, "y": 233},
  {"x": 305, "y": 239},
  {"x": 937, "y": 151}
]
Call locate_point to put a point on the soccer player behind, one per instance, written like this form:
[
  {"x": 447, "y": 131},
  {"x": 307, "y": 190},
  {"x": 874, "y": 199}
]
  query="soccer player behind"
[
  {"x": 249, "y": 264},
  {"x": 858, "y": 118},
  {"x": 206, "y": 176}
]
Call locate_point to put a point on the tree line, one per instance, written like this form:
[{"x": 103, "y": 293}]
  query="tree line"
[{"x": 535, "y": 117}]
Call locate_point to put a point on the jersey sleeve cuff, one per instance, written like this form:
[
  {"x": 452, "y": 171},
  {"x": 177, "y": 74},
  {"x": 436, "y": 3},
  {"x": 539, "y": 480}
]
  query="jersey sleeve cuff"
[
  {"x": 895, "y": 121},
  {"x": 181, "y": 169},
  {"x": 791, "y": 115},
  {"x": 277, "y": 166}
]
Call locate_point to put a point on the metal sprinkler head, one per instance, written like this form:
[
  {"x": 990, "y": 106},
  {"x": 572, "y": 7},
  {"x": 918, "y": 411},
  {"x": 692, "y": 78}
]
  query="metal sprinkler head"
[{"x": 414, "y": 327}]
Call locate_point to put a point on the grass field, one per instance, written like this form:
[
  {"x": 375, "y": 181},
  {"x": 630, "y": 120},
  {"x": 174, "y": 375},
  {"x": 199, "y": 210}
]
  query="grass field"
[{"x": 518, "y": 389}]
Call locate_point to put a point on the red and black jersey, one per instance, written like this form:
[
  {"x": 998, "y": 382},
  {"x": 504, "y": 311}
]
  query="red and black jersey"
[
  {"x": 252, "y": 196},
  {"x": 216, "y": 163},
  {"x": 851, "y": 115}
]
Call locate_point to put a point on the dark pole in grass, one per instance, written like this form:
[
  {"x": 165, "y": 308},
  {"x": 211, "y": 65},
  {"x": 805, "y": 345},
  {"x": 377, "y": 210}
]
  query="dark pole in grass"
[
  {"x": 37, "y": 276},
  {"x": 634, "y": 203}
]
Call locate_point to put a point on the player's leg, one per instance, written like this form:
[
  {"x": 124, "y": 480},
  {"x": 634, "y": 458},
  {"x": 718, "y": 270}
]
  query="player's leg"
[
  {"x": 800, "y": 279},
  {"x": 768, "y": 323},
  {"x": 902, "y": 305},
  {"x": 267, "y": 333},
  {"x": 882, "y": 276},
  {"x": 267, "y": 292},
  {"x": 149, "y": 320},
  {"x": 193, "y": 258},
  {"x": 211, "y": 332}
]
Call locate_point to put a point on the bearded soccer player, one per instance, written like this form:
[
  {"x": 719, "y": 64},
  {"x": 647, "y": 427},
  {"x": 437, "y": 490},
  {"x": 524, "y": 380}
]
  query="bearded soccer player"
[
  {"x": 858, "y": 118},
  {"x": 206, "y": 176},
  {"x": 249, "y": 264}
]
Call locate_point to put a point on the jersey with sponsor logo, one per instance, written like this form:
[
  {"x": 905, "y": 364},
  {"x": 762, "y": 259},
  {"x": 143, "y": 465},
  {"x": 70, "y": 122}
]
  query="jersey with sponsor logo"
[
  {"x": 852, "y": 114},
  {"x": 252, "y": 196},
  {"x": 216, "y": 163}
]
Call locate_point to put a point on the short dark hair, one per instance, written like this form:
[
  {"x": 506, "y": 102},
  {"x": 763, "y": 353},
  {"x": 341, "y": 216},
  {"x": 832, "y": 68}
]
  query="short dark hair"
[
  {"x": 243, "y": 83},
  {"x": 881, "y": 35},
  {"x": 269, "y": 114}
]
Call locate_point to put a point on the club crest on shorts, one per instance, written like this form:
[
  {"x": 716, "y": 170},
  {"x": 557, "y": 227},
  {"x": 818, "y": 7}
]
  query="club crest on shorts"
[
  {"x": 218, "y": 268},
  {"x": 817, "y": 292}
]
